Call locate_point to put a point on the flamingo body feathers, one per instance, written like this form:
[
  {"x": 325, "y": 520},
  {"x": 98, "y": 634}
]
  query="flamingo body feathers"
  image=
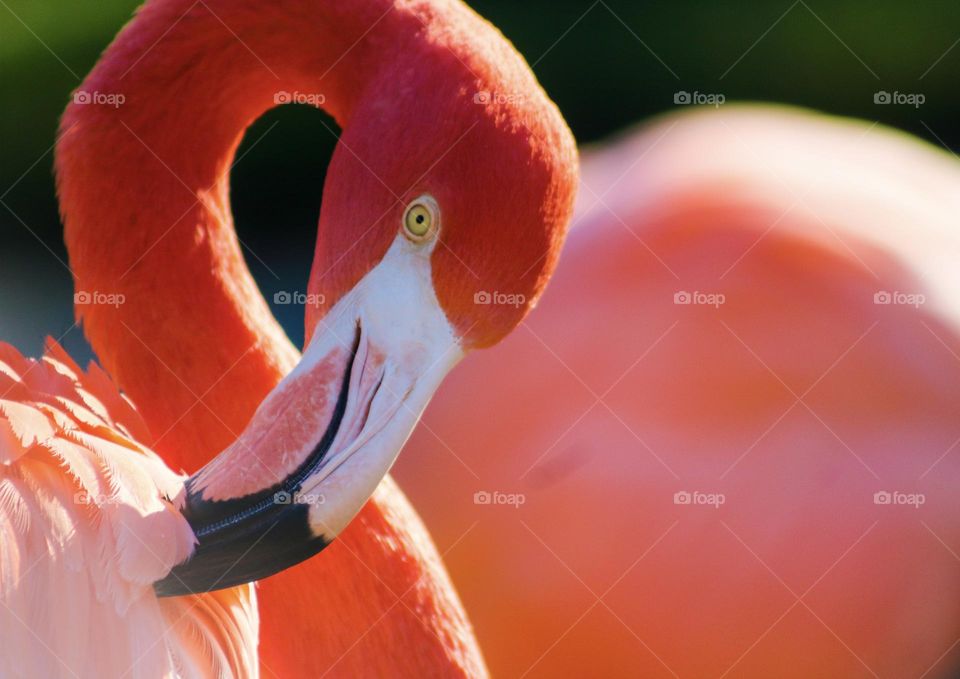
[{"x": 86, "y": 527}]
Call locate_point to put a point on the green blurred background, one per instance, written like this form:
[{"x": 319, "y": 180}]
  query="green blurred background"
[{"x": 607, "y": 64}]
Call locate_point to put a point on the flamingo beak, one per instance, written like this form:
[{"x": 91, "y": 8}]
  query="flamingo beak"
[{"x": 321, "y": 442}]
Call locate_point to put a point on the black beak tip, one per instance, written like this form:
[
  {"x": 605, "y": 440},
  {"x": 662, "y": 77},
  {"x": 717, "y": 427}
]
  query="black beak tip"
[{"x": 235, "y": 553}]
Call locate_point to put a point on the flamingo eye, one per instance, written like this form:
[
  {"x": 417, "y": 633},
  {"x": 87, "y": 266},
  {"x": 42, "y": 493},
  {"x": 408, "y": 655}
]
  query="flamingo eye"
[{"x": 421, "y": 219}]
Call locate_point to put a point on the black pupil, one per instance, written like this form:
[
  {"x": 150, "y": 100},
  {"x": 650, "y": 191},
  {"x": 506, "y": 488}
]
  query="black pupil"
[{"x": 419, "y": 219}]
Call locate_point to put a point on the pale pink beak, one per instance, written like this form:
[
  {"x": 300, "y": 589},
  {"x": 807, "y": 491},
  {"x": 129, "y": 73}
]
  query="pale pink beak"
[{"x": 321, "y": 442}]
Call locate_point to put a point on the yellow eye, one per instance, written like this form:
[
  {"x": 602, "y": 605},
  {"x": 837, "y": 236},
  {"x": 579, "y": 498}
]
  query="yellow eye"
[{"x": 420, "y": 218}]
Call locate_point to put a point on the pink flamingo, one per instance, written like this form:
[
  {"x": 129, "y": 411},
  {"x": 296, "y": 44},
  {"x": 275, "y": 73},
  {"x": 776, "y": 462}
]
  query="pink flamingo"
[{"x": 436, "y": 193}]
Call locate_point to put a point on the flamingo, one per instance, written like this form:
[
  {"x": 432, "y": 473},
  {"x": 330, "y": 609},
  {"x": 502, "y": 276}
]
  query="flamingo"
[
  {"x": 817, "y": 402},
  {"x": 454, "y": 175}
]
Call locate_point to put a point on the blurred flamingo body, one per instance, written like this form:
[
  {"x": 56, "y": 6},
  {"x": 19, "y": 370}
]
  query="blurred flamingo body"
[
  {"x": 144, "y": 191},
  {"x": 734, "y": 417}
]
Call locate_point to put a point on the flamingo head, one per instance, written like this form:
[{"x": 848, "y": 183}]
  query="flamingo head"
[
  {"x": 477, "y": 192},
  {"x": 444, "y": 210}
]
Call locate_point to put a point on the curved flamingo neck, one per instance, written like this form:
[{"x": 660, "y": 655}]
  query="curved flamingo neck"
[{"x": 144, "y": 191}]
